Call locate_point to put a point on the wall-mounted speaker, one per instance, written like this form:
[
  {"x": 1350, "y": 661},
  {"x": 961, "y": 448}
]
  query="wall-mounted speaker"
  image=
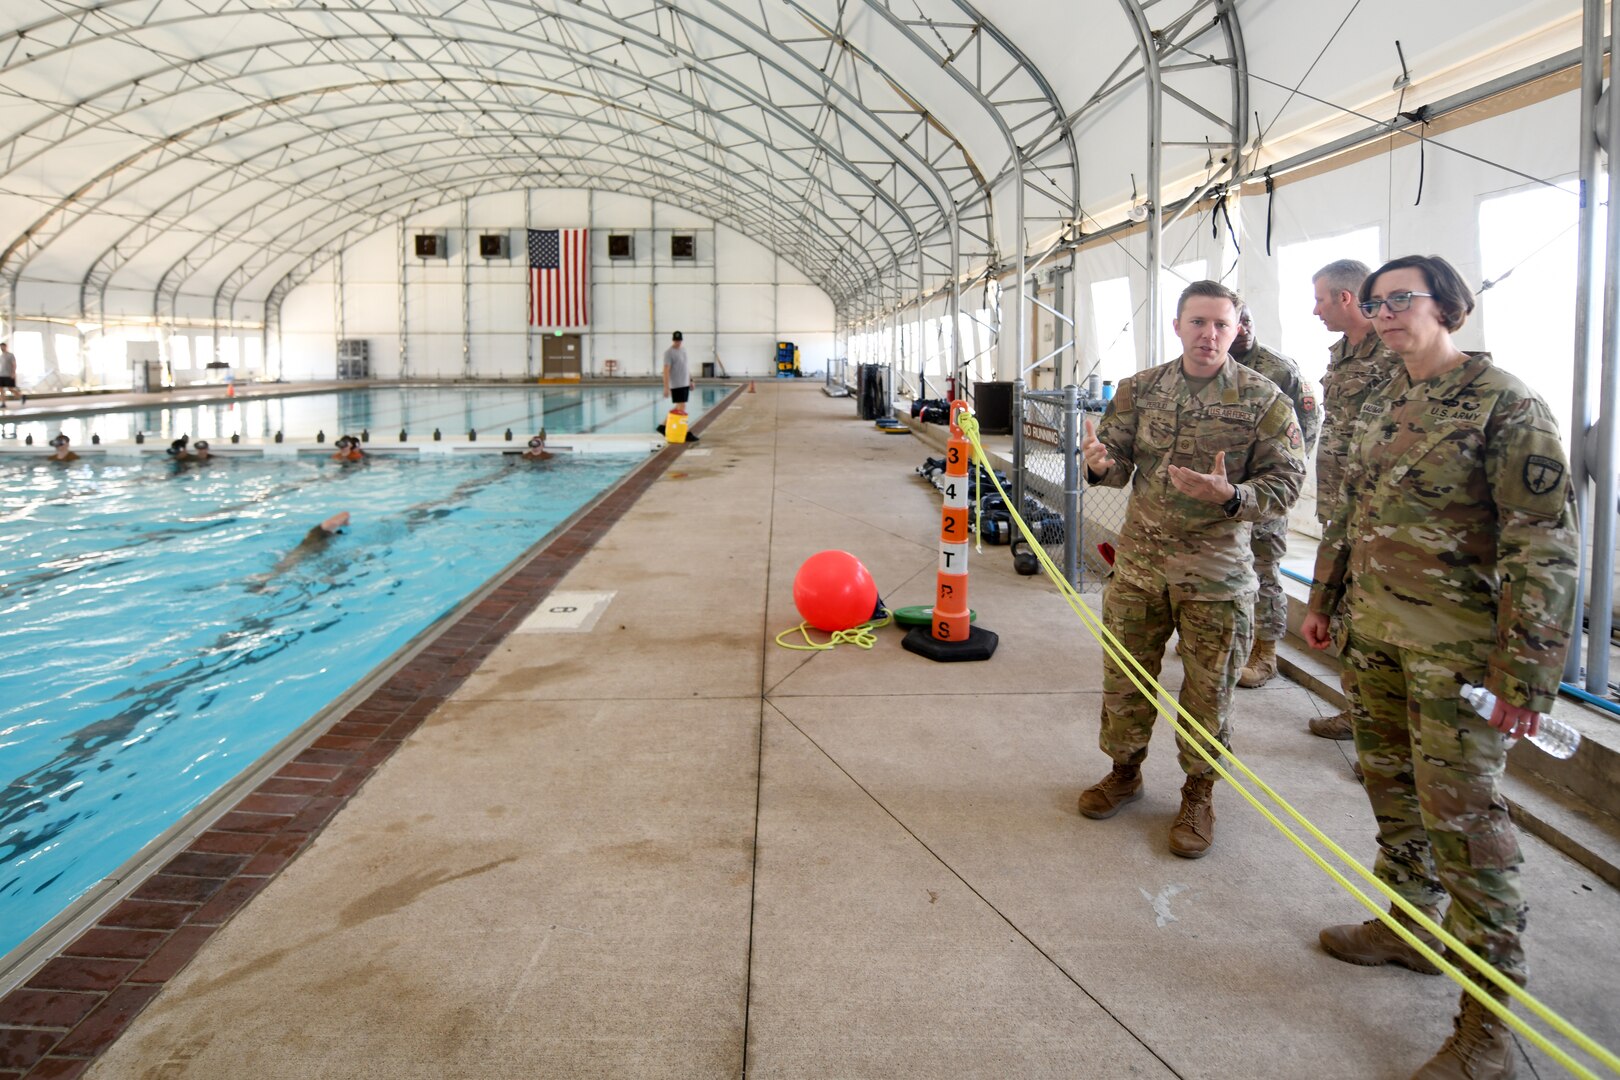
[
  {"x": 495, "y": 245},
  {"x": 621, "y": 246},
  {"x": 683, "y": 246},
  {"x": 432, "y": 246}
]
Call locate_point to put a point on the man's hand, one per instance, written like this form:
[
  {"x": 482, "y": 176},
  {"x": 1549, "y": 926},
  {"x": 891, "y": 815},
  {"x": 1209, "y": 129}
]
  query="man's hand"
[
  {"x": 1515, "y": 721},
  {"x": 1212, "y": 487},
  {"x": 1315, "y": 630},
  {"x": 1095, "y": 453}
]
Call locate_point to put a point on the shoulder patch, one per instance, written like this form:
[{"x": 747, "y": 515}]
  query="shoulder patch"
[
  {"x": 1295, "y": 439},
  {"x": 1278, "y": 419},
  {"x": 1122, "y": 400},
  {"x": 1542, "y": 474}
]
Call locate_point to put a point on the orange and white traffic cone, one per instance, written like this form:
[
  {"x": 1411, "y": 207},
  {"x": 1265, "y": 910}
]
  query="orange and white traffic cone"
[{"x": 230, "y": 389}]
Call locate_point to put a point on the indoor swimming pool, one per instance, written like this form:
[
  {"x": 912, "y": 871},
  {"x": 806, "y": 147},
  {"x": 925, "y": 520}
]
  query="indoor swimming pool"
[
  {"x": 383, "y": 412},
  {"x": 161, "y": 629}
]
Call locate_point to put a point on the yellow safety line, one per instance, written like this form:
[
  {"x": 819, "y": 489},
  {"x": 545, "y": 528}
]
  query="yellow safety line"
[
  {"x": 856, "y": 635},
  {"x": 1142, "y": 680}
]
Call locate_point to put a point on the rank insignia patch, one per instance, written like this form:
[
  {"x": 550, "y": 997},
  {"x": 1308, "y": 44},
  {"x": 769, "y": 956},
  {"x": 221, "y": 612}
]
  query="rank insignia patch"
[{"x": 1541, "y": 474}]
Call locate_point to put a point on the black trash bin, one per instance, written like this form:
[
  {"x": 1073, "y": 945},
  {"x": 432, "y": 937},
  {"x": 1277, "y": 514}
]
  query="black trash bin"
[
  {"x": 872, "y": 391},
  {"x": 992, "y": 405}
]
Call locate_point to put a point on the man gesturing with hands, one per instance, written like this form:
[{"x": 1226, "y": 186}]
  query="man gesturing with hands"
[{"x": 1208, "y": 447}]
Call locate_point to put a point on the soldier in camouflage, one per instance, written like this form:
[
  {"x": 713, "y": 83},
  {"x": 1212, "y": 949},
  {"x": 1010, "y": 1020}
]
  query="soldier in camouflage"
[
  {"x": 1208, "y": 447},
  {"x": 1455, "y": 555},
  {"x": 1268, "y": 542},
  {"x": 1358, "y": 366}
]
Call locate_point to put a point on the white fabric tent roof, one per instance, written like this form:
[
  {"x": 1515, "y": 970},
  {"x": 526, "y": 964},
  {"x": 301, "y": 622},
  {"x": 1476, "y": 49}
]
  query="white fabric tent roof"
[{"x": 223, "y": 149}]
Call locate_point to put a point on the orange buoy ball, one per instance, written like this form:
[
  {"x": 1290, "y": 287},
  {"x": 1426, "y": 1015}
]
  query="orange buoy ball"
[{"x": 833, "y": 591}]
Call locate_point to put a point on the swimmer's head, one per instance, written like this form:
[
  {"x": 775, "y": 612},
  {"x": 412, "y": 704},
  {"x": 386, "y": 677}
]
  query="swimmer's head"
[
  {"x": 178, "y": 447},
  {"x": 537, "y": 442},
  {"x": 60, "y": 440},
  {"x": 202, "y": 444}
]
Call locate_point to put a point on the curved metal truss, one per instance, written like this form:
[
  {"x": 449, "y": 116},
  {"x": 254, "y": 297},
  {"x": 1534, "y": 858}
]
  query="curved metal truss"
[{"x": 239, "y": 166}]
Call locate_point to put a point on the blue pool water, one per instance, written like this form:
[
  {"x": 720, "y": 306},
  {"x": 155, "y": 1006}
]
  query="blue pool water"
[
  {"x": 155, "y": 640},
  {"x": 385, "y": 411}
]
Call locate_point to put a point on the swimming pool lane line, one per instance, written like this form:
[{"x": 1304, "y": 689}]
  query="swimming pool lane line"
[
  {"x": 145, "y": 927},
  {"x": 24, "y": 586}
]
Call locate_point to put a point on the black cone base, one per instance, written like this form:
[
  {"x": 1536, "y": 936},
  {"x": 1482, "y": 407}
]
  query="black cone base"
[{"x": 980, "y": 644}]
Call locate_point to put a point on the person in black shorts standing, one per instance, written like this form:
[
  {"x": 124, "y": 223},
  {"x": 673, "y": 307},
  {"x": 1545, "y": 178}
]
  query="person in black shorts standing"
[
  {"x": 677, "y": 378},
  {"x": 8, "y": 375}
]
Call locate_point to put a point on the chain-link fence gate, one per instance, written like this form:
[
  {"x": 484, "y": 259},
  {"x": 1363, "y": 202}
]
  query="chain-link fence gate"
[{"x": 1076, "y": 525}]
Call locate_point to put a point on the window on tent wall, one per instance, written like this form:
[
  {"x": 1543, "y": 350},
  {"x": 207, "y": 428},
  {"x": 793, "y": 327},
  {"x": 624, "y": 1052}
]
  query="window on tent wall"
[
  {"x": 1173, "y": 279},
  {"x": 253, "y": 358},
  {"x": 230, "y": 350},
  {"x": 1113, "y": 318},
  {"x": 68, "y": 361},
  {"x": 29, "y": 345},
  {"x": 1528, "y": 316},
  {"x": 180, "y": 352},
  {"x": 107, "y": 363},
  {"x": 1301, "y": 335}
]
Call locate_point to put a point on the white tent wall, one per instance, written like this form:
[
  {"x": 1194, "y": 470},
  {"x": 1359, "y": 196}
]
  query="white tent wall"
[{"x": 732, "y": 302}]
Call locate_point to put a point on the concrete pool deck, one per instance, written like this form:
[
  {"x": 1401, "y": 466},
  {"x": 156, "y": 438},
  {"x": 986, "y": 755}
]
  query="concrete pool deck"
[{"x": 665, "y": 846}]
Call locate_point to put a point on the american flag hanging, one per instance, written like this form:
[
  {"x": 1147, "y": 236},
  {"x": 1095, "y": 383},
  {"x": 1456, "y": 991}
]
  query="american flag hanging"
[{"x": 558, "y": 290}]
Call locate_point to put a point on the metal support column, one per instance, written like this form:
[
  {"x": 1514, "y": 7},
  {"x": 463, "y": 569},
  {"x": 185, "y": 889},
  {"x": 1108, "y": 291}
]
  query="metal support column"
[
  {"x": 1586, "y": 352},
  {"x": 1155, "y": 222},
  {"x": 1602, "y": 452},
  {"x": 339, "y": 300},
  {"x": 466, "y": 290},
  {"x": 1071, "y": 484},
  {"x": 404, "y": 305},
  {"x": 528, "y": 289}
]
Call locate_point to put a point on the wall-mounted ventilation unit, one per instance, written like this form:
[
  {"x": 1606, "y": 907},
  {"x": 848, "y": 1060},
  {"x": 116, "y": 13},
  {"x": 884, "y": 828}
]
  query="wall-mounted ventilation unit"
[
  {"x": 683, "y": 246},
  {"x": 432, "y": 246},
  {"x": 495, "y": 246},
  {"x": 621, "y": 246}
]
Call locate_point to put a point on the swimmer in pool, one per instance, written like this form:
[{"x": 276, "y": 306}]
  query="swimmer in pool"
[
  {"x": 537, "y": 448},
  {"x": 317, "y": 540},
  {"x": 179, "y": 451},
  {"x": 61, "y": 450},
  {"x": 348, "y": 449},
  {"x": 199, "y": 451}
]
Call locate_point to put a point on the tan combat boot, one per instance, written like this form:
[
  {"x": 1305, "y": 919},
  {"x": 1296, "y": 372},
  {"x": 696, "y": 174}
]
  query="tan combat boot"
[
  {"x": 1336, "y": 726},
  {"x": 1372, "y": 943},
  {"x": 1104, "y": 798},
  {"x": 1480, "y": 1048},
  {"x": 1262, "y": 665},
  {"x": 1194, "y": 830}
]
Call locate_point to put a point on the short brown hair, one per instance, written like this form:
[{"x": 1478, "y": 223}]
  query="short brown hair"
[
  {"x": 1451, "y": 294},
  {"x": 1214, "y": 290}
]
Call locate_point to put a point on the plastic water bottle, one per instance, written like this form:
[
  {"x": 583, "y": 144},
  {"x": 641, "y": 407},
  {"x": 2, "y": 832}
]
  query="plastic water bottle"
[{"x": 1554, "y": 737}]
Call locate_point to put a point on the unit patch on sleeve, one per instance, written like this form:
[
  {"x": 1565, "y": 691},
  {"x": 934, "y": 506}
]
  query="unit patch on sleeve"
[{"x": 1541, "y": 474}]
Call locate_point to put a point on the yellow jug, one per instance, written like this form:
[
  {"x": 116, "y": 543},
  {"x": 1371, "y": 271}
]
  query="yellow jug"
[{"x": 675, "y": 427}]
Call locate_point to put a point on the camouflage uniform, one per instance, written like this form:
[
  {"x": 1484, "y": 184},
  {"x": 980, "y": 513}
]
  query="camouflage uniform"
[
  {"x": 1182, "y": 564},
  {"x": 1269, "y": 540},
  {"x": 1455, "y": 556},
  {"x": 1353, "y": 373}
]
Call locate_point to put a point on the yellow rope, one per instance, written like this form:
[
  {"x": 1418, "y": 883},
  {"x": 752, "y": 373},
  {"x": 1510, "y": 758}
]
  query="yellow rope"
[
  {"x": 1195, "y": 734},
  {"x": 856, "y": 635}
]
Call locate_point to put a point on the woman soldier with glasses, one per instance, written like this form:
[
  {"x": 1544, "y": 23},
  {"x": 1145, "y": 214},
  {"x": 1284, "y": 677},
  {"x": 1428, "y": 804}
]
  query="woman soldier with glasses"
[{"x": 1456, "y": 559}]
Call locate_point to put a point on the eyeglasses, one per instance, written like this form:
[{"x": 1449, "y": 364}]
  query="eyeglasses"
[{"x": 1397, "y": 302}]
